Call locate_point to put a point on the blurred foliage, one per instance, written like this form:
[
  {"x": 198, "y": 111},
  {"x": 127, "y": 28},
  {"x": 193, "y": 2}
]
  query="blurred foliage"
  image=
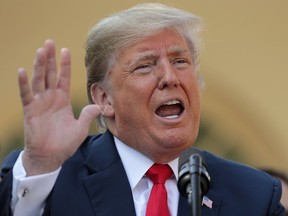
[
  {"x": 16, "y": 141},
  {"x": 214, "y": 142}
]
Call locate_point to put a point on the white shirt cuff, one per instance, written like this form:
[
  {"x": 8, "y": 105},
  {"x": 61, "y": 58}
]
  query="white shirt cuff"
[{"x": 29, "y": 193}]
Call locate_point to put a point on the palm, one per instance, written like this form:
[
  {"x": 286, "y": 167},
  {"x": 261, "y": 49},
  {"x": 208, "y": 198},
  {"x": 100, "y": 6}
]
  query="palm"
[
  {"x": 49, "y": 120},
  {"x": 52, "y": 134}
]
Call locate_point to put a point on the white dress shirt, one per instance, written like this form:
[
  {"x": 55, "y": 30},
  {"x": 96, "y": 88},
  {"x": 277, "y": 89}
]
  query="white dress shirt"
[
  {"x": 136, "y": 165},
  {"x": 29, "y": 191}
]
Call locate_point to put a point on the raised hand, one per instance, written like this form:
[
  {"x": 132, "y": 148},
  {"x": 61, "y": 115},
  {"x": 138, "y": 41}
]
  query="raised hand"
[{"x": 52, "y": 134}]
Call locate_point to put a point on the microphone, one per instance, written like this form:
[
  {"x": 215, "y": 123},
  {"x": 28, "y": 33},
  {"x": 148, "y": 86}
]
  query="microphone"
[{"x": 194, "y": 179}]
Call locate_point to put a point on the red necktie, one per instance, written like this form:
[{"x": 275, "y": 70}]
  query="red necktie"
[{"x": 157, "y": 203}]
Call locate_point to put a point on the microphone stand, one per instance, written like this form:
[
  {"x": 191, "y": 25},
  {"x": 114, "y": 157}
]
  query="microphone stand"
[
  {"x": 194, "y": 179},
  {"x": 194, "y": 193}
]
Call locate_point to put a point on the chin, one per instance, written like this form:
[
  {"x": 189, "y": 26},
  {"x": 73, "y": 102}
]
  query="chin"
[
  {"x": 178, "y": 142},
  {"x": 181, "y": 135}
]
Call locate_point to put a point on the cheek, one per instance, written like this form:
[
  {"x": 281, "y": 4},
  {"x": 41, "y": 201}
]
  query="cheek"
[
  {"x": 138, "y": 91},
  {"x": 196, "y": 104},
  {"x": 190, "y": 81},
  {"x": 130, "y": 103},
  {"x": 194, "y": 95}
]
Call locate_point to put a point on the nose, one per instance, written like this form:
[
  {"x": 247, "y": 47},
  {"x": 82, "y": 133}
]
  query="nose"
[{"x": 167, "y": 76}]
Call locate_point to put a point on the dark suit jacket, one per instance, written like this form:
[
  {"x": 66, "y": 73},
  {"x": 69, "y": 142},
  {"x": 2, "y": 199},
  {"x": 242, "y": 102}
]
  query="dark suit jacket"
[{"x": 93, "y": 182}]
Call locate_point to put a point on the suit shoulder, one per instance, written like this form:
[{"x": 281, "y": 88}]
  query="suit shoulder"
[
  {"x": 9, "y": 162},
  {"x": 239, "y": 183},
  {"x": 86, "y": 147},
  {"x": 93, "y": 145},
  {"x": 216, "y": 164},
  {"x": 231, "y": 175}
]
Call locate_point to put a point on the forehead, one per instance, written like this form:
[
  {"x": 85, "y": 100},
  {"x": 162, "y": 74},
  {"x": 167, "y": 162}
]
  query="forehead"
[{"x": 167, "y": 41}]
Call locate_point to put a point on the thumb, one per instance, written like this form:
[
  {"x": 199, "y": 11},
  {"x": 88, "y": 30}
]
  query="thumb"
[{"x": 88, "y": 114}]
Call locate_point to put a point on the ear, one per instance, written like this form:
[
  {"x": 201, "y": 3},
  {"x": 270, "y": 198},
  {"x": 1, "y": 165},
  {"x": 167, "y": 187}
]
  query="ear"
[{"x": 101, "y": 96}]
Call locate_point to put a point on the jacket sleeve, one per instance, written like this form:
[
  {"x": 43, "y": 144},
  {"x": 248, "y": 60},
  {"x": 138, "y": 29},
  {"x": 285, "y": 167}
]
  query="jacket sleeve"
[
  {"x": 6, "y": 179},
  {"x": 276, "y": 209}
]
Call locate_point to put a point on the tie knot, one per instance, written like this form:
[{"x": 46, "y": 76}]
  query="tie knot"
[{"x": 159, "y": 173}]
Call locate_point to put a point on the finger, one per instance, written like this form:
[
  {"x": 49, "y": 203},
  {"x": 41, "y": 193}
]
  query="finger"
[
  {"x": 38, "y": 78},
  {"x": 88, "y": 114},
  {"x": 65, "y": 71},
  {"x": 51, "y": 68},
  {"x": 25, "y": 90}
]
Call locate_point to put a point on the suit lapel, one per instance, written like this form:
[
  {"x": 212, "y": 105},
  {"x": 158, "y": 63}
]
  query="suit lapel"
[
  {"x": 108, "y": 186},
  {"x": 5, "y": 191},
  {"x": 216, "y": 200},
  {"x": 185, "y": 210}
]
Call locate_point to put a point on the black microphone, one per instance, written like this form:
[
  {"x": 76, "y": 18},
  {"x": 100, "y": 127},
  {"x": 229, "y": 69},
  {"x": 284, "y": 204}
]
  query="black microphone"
[{"x": 194, "y": 179}]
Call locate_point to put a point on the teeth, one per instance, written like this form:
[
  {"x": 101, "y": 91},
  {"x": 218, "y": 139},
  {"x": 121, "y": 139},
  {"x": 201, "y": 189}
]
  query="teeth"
[
  {"x": 172, "y": 102},
  {"x": 171, "y": 117}
]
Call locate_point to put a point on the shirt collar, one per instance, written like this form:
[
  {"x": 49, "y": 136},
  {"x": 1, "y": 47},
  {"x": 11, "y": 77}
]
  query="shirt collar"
[{"x": 136, "y": 164}]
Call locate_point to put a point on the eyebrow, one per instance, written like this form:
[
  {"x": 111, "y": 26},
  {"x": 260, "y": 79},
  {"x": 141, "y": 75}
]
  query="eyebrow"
[
  {"x": 148, "y": 54},
  {"x": 142, "y": 55},
  {"x": 176, "y": 50}
]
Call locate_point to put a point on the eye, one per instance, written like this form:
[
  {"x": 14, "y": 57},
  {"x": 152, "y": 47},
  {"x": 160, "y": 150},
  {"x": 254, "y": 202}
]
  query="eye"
[
  {"x": 143, "y": 68},
  {"x": 180, "y": 63}
]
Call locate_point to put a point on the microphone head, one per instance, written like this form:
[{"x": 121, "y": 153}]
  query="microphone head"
[{"x": 185, "y": 172}]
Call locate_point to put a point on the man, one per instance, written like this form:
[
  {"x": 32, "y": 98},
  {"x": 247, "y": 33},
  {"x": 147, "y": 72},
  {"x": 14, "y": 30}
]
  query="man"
[{"x": 143, "y": 82}]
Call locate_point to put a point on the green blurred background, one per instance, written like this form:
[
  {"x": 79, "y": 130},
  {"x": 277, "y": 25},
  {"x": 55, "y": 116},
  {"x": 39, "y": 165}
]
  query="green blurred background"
[{"x": 244, "y": 63}]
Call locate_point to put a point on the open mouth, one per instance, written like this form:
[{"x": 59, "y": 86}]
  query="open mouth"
[{"x": 170, "y": 110}]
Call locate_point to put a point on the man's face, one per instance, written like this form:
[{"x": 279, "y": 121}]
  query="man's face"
[{"x": 155, "y": 96}]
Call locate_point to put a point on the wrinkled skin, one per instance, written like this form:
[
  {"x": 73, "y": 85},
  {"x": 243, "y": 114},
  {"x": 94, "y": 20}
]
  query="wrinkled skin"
[
  {"x": 52, "y": 134},
  {"x": 146, "y": 75}
]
